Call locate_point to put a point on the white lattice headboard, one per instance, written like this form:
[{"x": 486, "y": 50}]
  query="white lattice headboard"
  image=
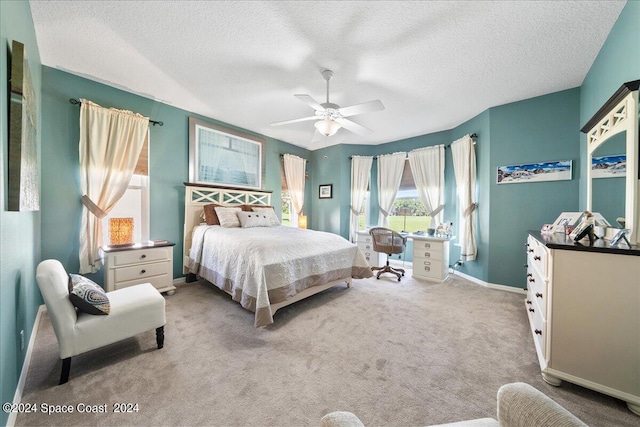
[{"x": 198, "y": 195}]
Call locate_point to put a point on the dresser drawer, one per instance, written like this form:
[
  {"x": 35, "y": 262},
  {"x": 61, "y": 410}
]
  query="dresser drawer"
[
  {"x": 140, "y": 255},
  {"x": 537, "y": 287},
  {"x": 140, "y": 273},
  {"x": 538, "y": 327},
  {"x": 427, "y": 267},
  {"x": 161, "y": 283},
  {"x": 538, "y": 256}
]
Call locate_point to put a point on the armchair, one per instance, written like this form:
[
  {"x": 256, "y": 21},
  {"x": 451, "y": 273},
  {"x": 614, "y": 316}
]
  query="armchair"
[{"x": 134, "y": 310}]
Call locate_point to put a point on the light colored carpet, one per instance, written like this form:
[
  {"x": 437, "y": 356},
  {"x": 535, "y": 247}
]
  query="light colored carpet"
[{"x": 396, "y": 354}]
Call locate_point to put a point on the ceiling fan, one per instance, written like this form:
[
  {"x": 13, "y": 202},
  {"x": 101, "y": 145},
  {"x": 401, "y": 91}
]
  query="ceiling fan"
[{"x": 331, "y": 117}]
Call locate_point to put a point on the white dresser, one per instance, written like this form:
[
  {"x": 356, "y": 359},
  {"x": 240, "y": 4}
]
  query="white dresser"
[
  {"x": 430, "y": 257},
  {"x": 365, "y": 244},
  {"x": 128, "y": 266},
  {"x": 583, "y": 305}
]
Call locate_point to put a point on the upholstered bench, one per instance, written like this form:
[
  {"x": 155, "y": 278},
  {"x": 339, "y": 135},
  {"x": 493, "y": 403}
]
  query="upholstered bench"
[{"x": 133, "y": 310}]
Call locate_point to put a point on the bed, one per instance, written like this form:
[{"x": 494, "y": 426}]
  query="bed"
[{"x": 263, "y": 268}]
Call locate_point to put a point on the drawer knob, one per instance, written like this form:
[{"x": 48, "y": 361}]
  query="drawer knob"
[
  {"x": 427, "y": 255},
  {"x": 529, "y": 274},
  {"x": 427, "y": 263},
  {"x": 532, "y": 310},
  {"x": 531, "y": 279},
  {"x": 427, "y": 269},
  {"x": 529, "y": 302},
  {"x": 538, "y": 294},
  {"x": 143, "y": 256},
  {"x": 427, "y": 245},
  {"x": 526, "y": 266},
  {"x": 537, "y": 258},
  {"x": 143, "y": 271},
  {"x": 529, "y": 250},
  {"x": 538, "y": 332}
]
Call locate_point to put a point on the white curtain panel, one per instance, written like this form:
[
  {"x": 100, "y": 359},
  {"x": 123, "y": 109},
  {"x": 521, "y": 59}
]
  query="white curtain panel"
[
  {"x": 110, "y": 144},
  {"x": 390, "y": 167},
  {"x": 294, "y": 170},
  {"x": 360, "y": 175},
  {"x": 427, "y": 167},
  {"x": 464, "y": 166}
]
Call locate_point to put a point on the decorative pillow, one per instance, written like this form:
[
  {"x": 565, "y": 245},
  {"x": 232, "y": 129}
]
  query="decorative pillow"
[
  {"x": 249, "y": 208},
  {"x": 254, "y": 219},
  {"x": 210, "y": 215},
  {"x": 228, "y": 216},
  {"x": 87, "y": 296},
  {"x": 270, "y": 213}
]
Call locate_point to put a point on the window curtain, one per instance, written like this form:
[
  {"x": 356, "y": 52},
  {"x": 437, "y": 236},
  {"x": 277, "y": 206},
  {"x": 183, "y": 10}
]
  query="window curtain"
[
  {"x": 427, "y": 167},
  {"x": 294, "y": 172},
  {"x": 464, "y": 166},
  {"x": 360, "y": 175},
  {"x": 110, "y": 144},
  {"x": 390, "y": 167}
]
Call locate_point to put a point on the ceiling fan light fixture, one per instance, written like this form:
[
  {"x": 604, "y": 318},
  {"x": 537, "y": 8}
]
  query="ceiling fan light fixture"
[{"x": 327, "y": 127}]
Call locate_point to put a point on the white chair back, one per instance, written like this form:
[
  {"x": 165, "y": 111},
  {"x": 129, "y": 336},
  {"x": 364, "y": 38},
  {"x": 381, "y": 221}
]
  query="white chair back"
[{"x": 53, "y": 283}]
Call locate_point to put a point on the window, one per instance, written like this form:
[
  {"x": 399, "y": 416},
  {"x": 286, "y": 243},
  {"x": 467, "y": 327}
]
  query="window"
[
  {"x": 363, "y": 219},
  {"x": 134, "y": 203},
  {"x": 408, "y": 212},
  {"x": 289, "y": 215}
]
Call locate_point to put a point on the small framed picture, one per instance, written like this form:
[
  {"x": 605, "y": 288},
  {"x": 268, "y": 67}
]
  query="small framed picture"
[
  {"x": 565, "y": 219},
  {"x": 325, "y": 191}
]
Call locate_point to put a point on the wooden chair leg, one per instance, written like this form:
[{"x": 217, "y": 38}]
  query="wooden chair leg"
[
  {"x": 66, "y": 368},
  {"x": 160, "y": 337}
]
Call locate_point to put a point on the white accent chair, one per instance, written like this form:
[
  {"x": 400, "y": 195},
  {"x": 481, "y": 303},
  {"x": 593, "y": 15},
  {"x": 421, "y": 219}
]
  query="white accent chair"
[
  {"x": 134, "y": 310},
  {"x": 519, "y": 405}
]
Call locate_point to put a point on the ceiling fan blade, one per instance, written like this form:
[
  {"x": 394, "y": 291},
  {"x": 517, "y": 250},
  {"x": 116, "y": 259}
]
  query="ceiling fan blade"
[
  {"x": 304, "y": 119},
  {"x": 365, "y": 107},
  {"x": 310, "y": 101},
  {"x": 353, "y": 126}
]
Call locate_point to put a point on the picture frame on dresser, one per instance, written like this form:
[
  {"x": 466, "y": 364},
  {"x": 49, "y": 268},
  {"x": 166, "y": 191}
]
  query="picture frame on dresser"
[{"x": 565, "y": 219}]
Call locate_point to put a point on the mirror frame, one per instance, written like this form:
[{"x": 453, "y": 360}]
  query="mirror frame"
[{"x": 619, "y": 114}]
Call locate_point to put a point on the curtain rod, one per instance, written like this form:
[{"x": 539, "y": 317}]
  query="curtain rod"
[
  {"x": 153, "y": 122},
  {"x": 282, "y": 157},
  {"x": 472, "y": 136}
]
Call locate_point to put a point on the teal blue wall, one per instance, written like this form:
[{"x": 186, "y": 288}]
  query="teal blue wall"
[
  {"x": 617, "y": 62},
  {"x": 169, "y": 151},
  {"x": 545, "y": 128},
  {"x": 20, "y": 231}
]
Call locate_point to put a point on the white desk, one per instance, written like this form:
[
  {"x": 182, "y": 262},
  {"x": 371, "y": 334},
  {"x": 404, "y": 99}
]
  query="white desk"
[{"x": 430, "y": 255}]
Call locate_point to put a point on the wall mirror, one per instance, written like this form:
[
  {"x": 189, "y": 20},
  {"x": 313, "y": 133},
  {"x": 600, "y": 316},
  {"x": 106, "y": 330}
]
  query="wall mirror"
[{"x": 613, "y": 176}]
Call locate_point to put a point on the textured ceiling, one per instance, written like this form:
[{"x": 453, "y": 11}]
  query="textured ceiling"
[{"x": 433, "y": 64}]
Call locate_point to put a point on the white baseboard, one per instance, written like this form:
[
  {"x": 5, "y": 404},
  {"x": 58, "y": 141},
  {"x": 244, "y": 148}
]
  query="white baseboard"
[
  {"x": 180, "y": 281},
  {"x": 17, "y": 397},
  {"x": 490, "y": 285}
]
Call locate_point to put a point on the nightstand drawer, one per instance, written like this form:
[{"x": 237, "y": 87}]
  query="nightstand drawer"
[
  {"x": 141, "y": 272},
  {"x": 140, "y": 255}
]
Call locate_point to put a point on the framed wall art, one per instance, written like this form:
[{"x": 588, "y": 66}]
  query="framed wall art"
[
  {"x": 534, "y": 172},
  {"x": 325, "y": 191},
  {"x": 225, "y": 157},
  {"x": 23, "y": 181}
]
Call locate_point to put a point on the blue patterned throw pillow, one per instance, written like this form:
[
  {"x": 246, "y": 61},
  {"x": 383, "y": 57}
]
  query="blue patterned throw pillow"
[{"x": 88, "y": 296}]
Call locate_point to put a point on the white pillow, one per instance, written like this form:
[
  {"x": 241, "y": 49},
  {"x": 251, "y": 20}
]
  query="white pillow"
[
  {"x": 228, "y": 217},
  {"x": 253, "y": 219},
  {"x": 271, "y": 215}
]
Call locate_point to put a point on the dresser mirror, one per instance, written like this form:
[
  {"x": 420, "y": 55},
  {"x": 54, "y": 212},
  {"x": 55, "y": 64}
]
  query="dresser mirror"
[
  {"x": 613, "y": 184},
  {"x": 608, "y": 178}
]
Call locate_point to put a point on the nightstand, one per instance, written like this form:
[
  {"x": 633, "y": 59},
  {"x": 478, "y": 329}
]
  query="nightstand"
[{"x": 141, "y": 263}]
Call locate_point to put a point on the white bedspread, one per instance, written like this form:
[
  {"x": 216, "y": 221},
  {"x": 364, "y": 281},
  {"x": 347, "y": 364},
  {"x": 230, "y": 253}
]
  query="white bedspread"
[{"x": 258, "y": 265}]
